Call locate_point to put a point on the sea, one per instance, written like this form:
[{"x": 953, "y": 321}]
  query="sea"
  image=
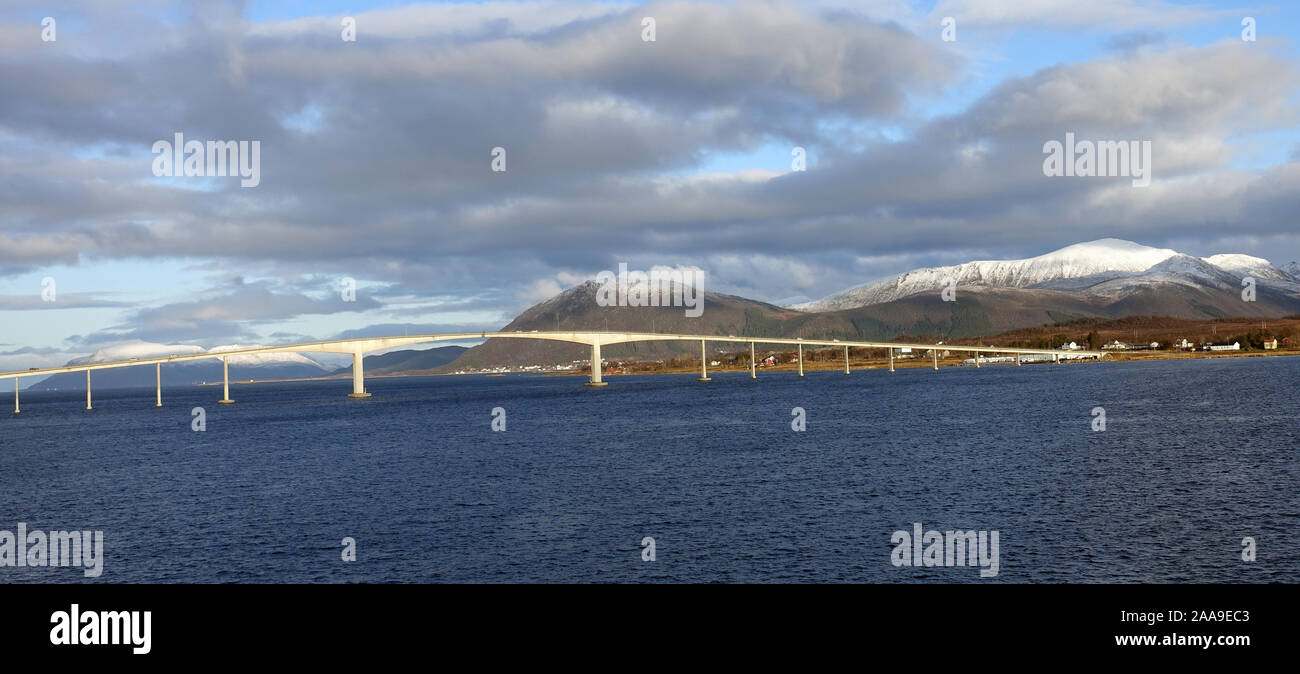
[{"x": 1106, "y": 472}]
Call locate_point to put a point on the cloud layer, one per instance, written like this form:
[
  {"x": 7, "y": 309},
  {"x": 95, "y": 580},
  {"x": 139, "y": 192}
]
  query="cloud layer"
[{"x": 376, "y": 154}]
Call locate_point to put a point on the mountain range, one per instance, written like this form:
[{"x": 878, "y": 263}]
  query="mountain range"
[
  {"x": 1103, "y": 271},
  {"x": 184, "y": 373},
  {"x": 1107, "y": 278},
  {"x": 242, "y": 367},
  {"x": 407, "y": 360}
]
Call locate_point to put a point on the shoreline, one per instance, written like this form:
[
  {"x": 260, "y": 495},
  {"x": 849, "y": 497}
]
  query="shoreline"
[{"x": 861, "y": 364}]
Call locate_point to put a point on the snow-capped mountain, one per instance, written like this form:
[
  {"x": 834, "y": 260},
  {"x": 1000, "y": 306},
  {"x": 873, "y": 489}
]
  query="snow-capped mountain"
[
  {"x": 137, "y": 349},
  {"x": 1108, "y": 267},
  {"x": 243, "y": 367},
  {"x": 263, "y": 359},
  {"x": 142, "y": 349},
  {"x": 1248, "y": 265},
  {"x": 1097, "y": 280}
]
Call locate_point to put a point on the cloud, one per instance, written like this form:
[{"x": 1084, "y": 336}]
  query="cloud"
[
  {"x": 390, "y": 329},
  {"x": 226, "y": 314},
  {"x": 1062, "y": 14},
  {"x": 376, "y": 154},
  {"x": 34, "y": 301}
]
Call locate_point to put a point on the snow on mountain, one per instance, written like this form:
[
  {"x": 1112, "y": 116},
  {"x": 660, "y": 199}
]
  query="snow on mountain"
[
  {"x": 263, "y": 359},
  {"x": 136, "y": 349},
  {"x": 1079, "y": 260},
  {"x": 1248, "y": 265},
  {"x": 1179, "y": 270},
  {"x": 1104, "y": 266},
  {"x": 142, "y": 349}
]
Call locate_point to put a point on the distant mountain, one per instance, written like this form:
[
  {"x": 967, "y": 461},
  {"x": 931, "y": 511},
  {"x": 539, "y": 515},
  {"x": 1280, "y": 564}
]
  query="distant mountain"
[
  {"x": 1108, "y": 278},
  {"x": 185, "y": 373},
  {"x": 1111, "y": 274},
  {"x": 408, "y": 360},
  {"x": 576, "y": 309},
  {"x": 1080, "y": 260}
]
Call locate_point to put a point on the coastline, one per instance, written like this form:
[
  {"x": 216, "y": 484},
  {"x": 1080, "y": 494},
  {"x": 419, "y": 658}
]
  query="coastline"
[{"x": 818, "y": 366}]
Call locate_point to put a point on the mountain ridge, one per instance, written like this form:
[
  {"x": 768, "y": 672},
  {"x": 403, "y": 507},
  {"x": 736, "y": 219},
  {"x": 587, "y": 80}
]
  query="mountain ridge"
[{"x": 1101, "y": 261}]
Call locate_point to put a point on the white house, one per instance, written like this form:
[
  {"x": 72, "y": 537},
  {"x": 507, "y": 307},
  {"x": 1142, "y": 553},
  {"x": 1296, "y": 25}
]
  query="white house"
[{"x": 1235, "y": 346}]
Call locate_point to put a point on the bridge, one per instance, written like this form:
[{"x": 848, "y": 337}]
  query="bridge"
[{"x": 358, "y": 347}]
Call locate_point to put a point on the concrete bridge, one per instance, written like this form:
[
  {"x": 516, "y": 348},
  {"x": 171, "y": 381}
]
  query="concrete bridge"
[{"x": 361, "y": 346}]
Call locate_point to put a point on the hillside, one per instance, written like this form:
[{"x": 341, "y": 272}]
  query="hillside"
[
  {"x": 1102, "y": 280},
  {"x": 1119, "y": 277},
  {"x": 406, "y": 360}
]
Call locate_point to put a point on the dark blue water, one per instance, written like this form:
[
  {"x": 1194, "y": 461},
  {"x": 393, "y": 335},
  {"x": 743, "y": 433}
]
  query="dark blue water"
[{"x": 1196, "y": 456}]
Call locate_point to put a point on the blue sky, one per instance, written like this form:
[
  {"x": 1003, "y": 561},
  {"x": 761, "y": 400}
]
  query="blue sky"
[{"x": 674, "y": 153}]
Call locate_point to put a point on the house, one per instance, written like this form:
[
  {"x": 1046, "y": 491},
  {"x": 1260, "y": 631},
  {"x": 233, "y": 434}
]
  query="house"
[
  {"x": 1182, "y": 344},
  {"x": 1072, "y": 346},
  {"x": 1270, "y": 344},
  {"x": 1115, "y": 345},
  {"x": 1235, "y": 346}
]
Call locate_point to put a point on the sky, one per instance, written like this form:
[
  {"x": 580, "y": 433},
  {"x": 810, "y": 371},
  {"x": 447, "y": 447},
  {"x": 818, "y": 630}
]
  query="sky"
[{"x": 376, "y": 154}]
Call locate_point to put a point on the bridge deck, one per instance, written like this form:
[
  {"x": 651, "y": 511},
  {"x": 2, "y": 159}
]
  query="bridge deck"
[
  {"x": 368, "y": 344},
  {"x": 360, "y": 346}
]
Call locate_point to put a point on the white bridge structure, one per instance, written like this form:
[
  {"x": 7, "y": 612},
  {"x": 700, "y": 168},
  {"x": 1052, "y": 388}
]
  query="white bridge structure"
[{"x": 360, "y": 346}]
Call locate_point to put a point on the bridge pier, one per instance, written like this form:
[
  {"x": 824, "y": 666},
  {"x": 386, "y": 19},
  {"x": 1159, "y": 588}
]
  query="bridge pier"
[
  {"x": 595, "y": 366},
  {"x": 157, "y": 374},
  {"x": 846, "y": 359},
  {"x": 753, "y": 367},
  {"x": 801, "y": 360},
  {"x": 704, "y": 370},
  {"x": 16, "y": 395},
  {"x": 1056, "y": 359},
  {"x": 358, "y": 376},
  {"x": 977, "y": 360},
  {"x": 225, "y": 382},
  {"x": 1018, "y": 359},
  {"x": 87, "y": 389},
  {"x": 934, "y": 358},
  {"x": 891, "y": 359}
]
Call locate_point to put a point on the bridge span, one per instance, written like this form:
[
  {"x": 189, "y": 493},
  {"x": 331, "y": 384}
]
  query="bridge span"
[{"x": 358, "y": 347}]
